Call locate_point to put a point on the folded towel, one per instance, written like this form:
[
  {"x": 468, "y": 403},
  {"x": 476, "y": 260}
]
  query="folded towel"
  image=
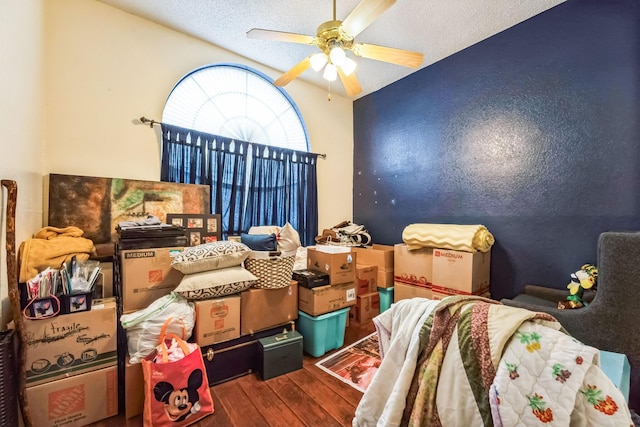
[
  {"x": 467, "y": 238},
  {"x": 37, "y": 254},
  {"x": 51, "y": 232}
]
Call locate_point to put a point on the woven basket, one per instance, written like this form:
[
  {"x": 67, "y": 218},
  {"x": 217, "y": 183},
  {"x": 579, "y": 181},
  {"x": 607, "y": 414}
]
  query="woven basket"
[{"x": 274, "y": 270}]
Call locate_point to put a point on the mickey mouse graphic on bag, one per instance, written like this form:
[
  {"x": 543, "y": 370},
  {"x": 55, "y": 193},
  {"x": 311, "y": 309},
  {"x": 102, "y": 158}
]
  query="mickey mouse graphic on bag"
[{"x": 180, "y": 404}]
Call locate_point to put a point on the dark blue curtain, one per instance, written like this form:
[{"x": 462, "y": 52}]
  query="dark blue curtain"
[
  {"x": 282, "y": 185},
  {"x": 283, "y": 188}
]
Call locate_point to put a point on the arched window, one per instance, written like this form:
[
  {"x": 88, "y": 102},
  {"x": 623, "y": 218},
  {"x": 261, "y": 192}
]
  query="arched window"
[{"x": 237, "y": 102}]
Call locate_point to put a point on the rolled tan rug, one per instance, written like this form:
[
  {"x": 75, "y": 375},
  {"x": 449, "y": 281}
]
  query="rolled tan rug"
[{"x": 467, "y": 238}]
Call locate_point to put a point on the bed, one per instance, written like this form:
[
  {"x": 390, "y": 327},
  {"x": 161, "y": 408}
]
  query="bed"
[{"x": 470, "y": 361}]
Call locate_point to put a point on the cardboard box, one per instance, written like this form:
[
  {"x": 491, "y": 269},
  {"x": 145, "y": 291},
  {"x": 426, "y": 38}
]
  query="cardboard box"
[
  {"x": 146, "y": 276},
  {"x": 413, "y": 267},
  {"x": 326, "y": 299},
  {"x": 439, "y": 293},
  {"x": 341, "y": 267},
  {"x": 217, "y": 320},
  {"x": 468, "y": 272},
  {"x": 133, "y": 389},
  {"x": 72, "y": 344},
  {"x": 385, "y": 278},
  {"x": 381, "y": 256},
  {"x": 405, "y": 291},
  {"x": 265, "y": 308},
  {"x": 367, "y": 307},
  {"x": 366, "y": 278},
  {"x": 75, "y": 401}
]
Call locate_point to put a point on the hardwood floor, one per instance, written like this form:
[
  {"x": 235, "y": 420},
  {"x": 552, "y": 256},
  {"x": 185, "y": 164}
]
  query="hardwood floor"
[{"x": 306, "y": 397}]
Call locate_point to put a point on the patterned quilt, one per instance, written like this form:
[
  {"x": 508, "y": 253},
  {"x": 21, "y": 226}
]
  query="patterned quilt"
[{"x": 473, "y": 361}]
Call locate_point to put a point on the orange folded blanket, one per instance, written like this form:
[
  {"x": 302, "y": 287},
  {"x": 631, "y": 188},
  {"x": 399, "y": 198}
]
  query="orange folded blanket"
[{"x": 50, "y": 248}]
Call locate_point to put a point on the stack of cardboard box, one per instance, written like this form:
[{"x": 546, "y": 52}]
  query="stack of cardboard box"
[
  {"x": 380, "y": 257},
  {"x": 71, "y": 362},
  {"x": 324, "y": 309},
  {"x": 437, "y": 273},
  {"x": 223, "y": 325}
]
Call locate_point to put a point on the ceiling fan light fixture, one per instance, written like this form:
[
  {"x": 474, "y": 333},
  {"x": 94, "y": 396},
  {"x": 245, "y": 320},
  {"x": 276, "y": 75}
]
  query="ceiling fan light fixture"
[
  {"x": 337, "y": 56},
  {"x": 318, "y": 60},
  {"x": 330, "y": 72},
  {"x": 348, "y": 66}
]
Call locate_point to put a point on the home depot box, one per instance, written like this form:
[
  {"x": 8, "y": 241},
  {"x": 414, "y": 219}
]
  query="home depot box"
[
  {"x": 438, "y": 293},
  {"x": 367, "y": 307},
  {"x": 217, "y": 320},
  {"x": 133, "y": 389},
  {"x": 340, "y": 266},
  {"x": 413, "y": 267},
  {"x": 325, "y": 299},
  {"x": 467, "y": 272},
  {"x": 405, "y": 291},
  {"x": 366, "y": 279},
  {"x": 71, "y": 344},
  {"x": 75, "y": 401},
  {"x": 146, "y": 276},
  {"x": 264, "y": 308},
  {"x": 382, "y": 256}
]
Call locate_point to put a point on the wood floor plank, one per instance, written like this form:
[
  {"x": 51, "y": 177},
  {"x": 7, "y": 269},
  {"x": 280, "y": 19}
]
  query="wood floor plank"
[
  {"x": 238, "y": 406},
  {"x": 348, "y": 393},
  {"x": 270, "y": 404},
  {"x": 333, "y": 403},
  {"x": 308, "y": 409}
]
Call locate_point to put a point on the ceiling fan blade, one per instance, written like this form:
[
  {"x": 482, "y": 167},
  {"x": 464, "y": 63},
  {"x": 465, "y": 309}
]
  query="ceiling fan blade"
[
  {"x": 388, "y": 54},
  {"x": 258, "y": 33},
  {"x": 364, "y": 14},
  {"x": 294, "y": 72},
  {"x": 350, "y": 83}
]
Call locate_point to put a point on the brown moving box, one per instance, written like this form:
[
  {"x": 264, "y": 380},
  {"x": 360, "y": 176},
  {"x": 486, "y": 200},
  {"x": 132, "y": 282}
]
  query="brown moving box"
[
  {"x": 404, "y": 291},
  {"x": 367, "y": 307},
  {"x": 466, "y": 272},
  {"x": 133, "y": 389},
  {"x": 75, "y": 401},
  {"x": 264, "y": 308},
  {"x": 341, "y": 266},
  {"x": 217, "y": 320},
  {"x": 366, "y": 278},
  {"x": 146, "y": 276},
  {"x": 382, "y": 256},
  {"x": 325, "y": 299},
  {"x": 413, "y": 267},
  {"x": 70, "y": 344},
  {"x": 439, "y": 293}
]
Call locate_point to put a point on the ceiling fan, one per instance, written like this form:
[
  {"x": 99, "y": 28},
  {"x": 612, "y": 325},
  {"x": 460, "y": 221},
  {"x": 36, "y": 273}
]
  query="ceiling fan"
[{"x": 334, "y": 38}]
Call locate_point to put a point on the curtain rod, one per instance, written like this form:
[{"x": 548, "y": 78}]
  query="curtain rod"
[{"x": 152, "y": 122}]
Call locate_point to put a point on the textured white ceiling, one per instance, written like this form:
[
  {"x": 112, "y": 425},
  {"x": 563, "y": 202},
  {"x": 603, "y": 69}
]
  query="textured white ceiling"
[{"x": 436, "y": 28}]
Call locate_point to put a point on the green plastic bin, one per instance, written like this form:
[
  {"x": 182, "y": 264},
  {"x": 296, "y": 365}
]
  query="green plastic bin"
[
  {"x": 386, "y": 298},
  {"x": 322, "y": 333}
]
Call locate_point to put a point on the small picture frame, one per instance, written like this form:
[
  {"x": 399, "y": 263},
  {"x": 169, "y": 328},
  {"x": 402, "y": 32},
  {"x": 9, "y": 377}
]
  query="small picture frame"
[{"x": 201, "y": 228}]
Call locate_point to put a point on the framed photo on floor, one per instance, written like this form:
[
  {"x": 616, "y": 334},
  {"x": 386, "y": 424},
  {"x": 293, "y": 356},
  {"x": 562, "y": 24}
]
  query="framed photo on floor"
[{"x": 201, "y": 228}]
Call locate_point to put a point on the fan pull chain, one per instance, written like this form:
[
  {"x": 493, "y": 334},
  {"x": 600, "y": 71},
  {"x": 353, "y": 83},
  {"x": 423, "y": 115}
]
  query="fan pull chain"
[{"x": 329, "y": 94}]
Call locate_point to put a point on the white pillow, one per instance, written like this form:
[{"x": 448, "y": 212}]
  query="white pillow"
[
  {"x": 215, "y": 283},
  {"x": 288, "y": 239},
  {"x": 264, "y": 229}
]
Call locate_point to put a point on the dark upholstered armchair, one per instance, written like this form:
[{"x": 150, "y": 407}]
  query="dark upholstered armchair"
[{"x": 611, "y": 321}]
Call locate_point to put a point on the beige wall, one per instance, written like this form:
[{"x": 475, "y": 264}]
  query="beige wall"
[
  {"x": 77, "y": 74},
  {"x": 107, "y": 68},
  {"x": 21, "y": 120}
]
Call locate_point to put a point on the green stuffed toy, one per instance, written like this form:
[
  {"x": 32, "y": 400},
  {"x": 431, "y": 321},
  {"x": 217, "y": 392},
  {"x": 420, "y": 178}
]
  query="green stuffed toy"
[{"x": 581, "y": 280}]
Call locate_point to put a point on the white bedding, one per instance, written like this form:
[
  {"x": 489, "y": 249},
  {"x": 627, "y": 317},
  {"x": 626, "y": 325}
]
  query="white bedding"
[{"x": 482, "y": 363}]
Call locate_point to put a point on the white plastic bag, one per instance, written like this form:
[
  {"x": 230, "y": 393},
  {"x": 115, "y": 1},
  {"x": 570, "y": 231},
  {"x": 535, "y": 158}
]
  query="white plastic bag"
[{"x": 143, "y": 327}]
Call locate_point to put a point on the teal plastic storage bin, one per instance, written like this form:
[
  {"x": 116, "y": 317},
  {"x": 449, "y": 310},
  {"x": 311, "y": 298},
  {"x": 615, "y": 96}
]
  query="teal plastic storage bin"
[
  {"x": 322, "y": 333},
  {"x": 386, "y": 298}
]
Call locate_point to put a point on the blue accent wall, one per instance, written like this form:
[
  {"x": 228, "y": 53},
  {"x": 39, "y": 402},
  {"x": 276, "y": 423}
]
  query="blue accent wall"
[{"x": 534, "y": 133}]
